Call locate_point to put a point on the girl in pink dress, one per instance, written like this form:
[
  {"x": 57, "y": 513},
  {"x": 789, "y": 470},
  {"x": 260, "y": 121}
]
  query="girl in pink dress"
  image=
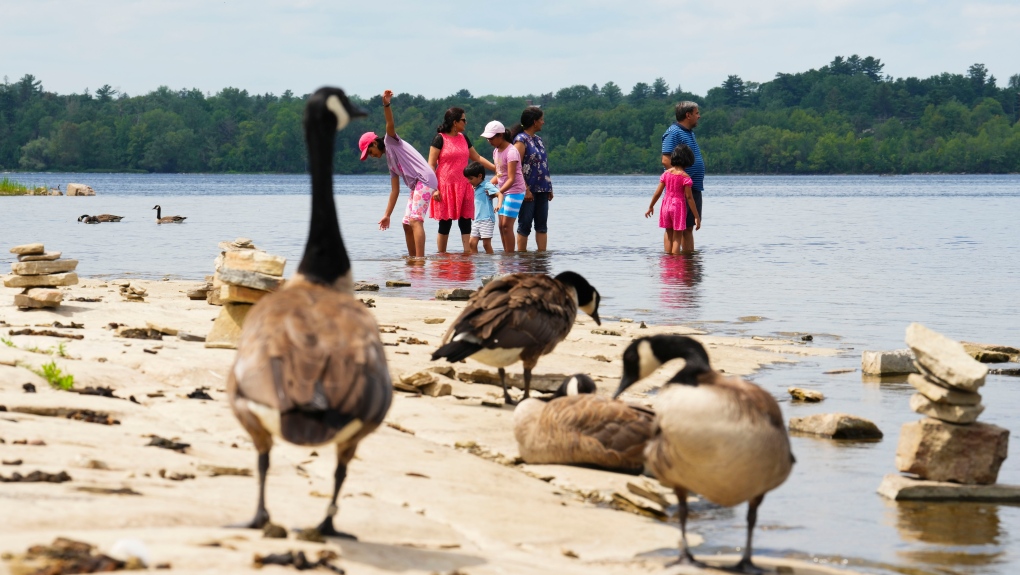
[
  {"x": 678, "y": 199},
  {"x": 455, "y": 198}
]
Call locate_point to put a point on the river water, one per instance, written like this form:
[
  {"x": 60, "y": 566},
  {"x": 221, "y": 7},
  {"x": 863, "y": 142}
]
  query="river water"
[{"x": 850, "y": 259}]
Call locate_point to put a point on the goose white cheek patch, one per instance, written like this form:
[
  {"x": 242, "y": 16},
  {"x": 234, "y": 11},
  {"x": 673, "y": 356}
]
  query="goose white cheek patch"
[
  {"x": 342, "y": 117},
  {"x": 647, "y": 362}
]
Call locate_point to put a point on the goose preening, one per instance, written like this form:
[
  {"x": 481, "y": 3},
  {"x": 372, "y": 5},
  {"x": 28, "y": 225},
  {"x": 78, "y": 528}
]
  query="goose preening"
[
  {"x": 719, "y": 436},
  {"x": 577, "y": 427},
  {"x": 168, "y": 219},
  {"x": 518, "y": 317},
  {"x": 101, "y": 218},
  {"x": 310, "y": 366}
]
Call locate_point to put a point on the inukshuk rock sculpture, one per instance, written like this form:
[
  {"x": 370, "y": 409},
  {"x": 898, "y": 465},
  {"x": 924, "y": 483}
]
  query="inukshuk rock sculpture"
[
  {"x": 38, "y": 272},
  {"x": 244, "y": 275}
]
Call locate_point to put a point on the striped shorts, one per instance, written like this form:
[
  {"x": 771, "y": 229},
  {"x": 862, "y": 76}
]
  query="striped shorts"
[
  {"x": 511, "y": 205},
  {"x": 482, "y": 228}
]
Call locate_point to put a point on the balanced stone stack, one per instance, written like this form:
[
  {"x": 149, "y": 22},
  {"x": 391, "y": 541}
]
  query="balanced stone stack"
[
  {"x": 38, "y": 271},
  {"x": 948, "y": 444},
  {"x": 244, "y": 275}
]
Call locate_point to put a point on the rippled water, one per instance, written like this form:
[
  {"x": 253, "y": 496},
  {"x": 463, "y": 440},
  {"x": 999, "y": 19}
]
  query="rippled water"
[{"x": 849, "y": 259}]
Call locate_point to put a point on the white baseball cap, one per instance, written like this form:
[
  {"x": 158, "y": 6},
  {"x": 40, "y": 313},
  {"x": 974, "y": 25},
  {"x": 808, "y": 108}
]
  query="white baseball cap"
[{"x": 494, "y": 128}]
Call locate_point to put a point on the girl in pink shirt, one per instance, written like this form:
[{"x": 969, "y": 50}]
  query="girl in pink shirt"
[
  {"x": 678, "y": 199},
  {"x": 509, "y": 178}
]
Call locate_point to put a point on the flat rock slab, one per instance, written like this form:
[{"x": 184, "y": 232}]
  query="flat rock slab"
[
  {"x": 254, "y": 280},
  {"x": 226, "y": 330},
  {"x": 161, "y": 328},
  {"x": 836, "y": 426},
  {"x": 962, "y": 414},
  {"x": 940, "y": 451},
  {"x": 28, "y": 249},
  {"x": 397, "y": 283},
  {"x": 255, "y": 261},
  {"x": 939, "y": 394},
  {"x": 894, "y": 362},
  {"x": 455, "y": 294},
  {"x": 47, "y": 280},
  {"x": 39, "y": 298},
  {"x": 43, "y": 267},
  {"x": 365, "y": 286},
  {"x": 945, "y": 358},
  {"x": 900, "y": 488},
  {"x": 44, "y": 257},
  {"x": 240, "y": 294}
]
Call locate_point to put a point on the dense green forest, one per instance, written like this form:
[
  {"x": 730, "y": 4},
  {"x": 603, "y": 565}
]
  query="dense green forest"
[{"x": 845, "y": 117}]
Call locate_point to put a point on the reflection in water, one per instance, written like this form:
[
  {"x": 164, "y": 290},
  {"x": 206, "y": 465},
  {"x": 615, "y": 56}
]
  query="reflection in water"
[
  {"x": 953, "y": 527},
  {"x": 680, "y": 276},
  {"x": 454, "y": 269},
  {"x": 524, "y": 262}
]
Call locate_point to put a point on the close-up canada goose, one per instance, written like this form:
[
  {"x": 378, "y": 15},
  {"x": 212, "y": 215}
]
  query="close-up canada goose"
[
  {"x": 719, "y": 436},
  {"x": 578, "y": 427},
  {"x": 518, "y": 317},
  {"x": 310, "y": 366},
  {"x": 160, "y": 219},
  {"x": 101, "y": 218}
]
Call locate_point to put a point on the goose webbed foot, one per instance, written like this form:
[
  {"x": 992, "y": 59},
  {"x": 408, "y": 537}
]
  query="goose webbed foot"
[
  {"x": 747, "y": 567},
  {"x": 686, "y": 558},
  {"x": 509, "y": 400},
  {"x": 260, "y": 520},
  {"x": 327, "y": 530}
]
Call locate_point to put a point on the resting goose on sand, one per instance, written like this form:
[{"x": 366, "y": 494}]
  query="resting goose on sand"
[
  {"x": 310, "y": 366},
  {"x": 718, "y": 436},
  {"x": 104, "y": 218},
  {"x": 577, "y": 427},
  {"x": 518, "y": 317},
  {"x": 167, "y": 219}
]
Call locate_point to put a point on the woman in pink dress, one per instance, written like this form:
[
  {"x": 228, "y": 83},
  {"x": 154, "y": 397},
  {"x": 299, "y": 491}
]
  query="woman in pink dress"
[{"x": 449, "y": 154}]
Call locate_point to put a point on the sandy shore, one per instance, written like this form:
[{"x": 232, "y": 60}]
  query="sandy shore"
[{"x": 434, "y": 491}]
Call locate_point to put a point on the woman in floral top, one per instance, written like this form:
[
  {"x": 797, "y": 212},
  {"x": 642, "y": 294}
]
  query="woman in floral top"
[{"x": 535, "y": 165}]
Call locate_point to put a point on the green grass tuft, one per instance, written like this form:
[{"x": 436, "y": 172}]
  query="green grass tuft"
[
  {"x": 56, "y": 378},
  {"x": 9, "y": 187}
]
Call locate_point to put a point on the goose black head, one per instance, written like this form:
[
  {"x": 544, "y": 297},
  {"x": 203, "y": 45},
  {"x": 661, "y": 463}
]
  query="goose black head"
[
  {"x": 330, "y": 107},
  {"x": 156, "y": 207},
  {"x": 83, "y": 217},
  {"x": 588, "y": 297},
  {"x": 575, "y": 385},
  {"x": 643, "y": 356}
]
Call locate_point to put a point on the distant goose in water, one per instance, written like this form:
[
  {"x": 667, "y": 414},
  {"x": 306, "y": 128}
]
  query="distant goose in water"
[
  {"x": 101, "y": 218},
  {"x": 719, "y": 436},
  {"x": 168, "y": 219},
  {"x": 577, "y": 427},
  {"x": 518, "y": 317},
  {"x": 310, "y": 366}
]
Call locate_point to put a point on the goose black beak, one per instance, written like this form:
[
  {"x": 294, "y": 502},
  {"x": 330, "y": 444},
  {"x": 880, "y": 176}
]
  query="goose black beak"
[
  {"x": 626, "y": 382},
  {"x": 357, "y": 111},
  {"x": 595, "y": 316}
]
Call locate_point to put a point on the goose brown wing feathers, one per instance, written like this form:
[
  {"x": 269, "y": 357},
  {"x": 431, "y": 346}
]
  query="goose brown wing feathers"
[
  {"x": 600, "y": 431},
  {"x": 753, "y": 402},
  {"x": 315, "y": 356}
]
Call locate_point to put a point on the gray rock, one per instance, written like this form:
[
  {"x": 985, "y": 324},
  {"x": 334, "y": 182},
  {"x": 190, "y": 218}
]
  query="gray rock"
[
  {"x": 365, "y": 286},
  {"x": 456, "y": 294},
  {"x": 47, "y": 280},
  {"x": 254, "y": 280},
  {"x": 185, "y": 336},
  {"x": 900, "y": 488},
  {"x": 888, "y": 362},
  {"x": 945, "y": 358},
  {"x": 962, "y": 414},
  {"x": 43, "y": 267},
  {"x": 836, "y": 426},
  {"x": 808, "y": 395},
  {"x": 80, "y": 190},
  {"x": 28, "y": 249},
  {"x": 940, "y": 451},
  {"x": 397, "y": 283},
  {"x": 941, "y": 394},
  {"x": 44, "y": 257}
]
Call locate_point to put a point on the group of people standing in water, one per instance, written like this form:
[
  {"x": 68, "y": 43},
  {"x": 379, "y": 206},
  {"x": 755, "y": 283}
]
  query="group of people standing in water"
[{"x": 451, "y": 186}]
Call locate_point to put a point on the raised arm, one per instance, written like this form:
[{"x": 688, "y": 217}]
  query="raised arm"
[{"x": 391, "y": 127}]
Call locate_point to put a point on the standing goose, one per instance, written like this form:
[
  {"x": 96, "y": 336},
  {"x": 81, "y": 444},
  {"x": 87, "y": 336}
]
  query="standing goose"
[
  {"x": 104, "y": 218},
  {"x": 310, "y": 366},
  {"x": 168, "y": 219},
  {"x": 518, "y": 317},
  {"x": 719, "y": 436},
  {"x": 577, "y": 427}
]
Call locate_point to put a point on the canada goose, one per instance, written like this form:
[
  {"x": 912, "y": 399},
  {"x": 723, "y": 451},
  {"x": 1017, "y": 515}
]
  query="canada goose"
[
  {"x": 100, "y": 218},
  {"x": 310, "y": 366},
  {"x": 578, "y": 427},
  {"x": 168, "y": 219},
  {"x": 518, "y": 317},
  {"x": 719, "y": 436}
]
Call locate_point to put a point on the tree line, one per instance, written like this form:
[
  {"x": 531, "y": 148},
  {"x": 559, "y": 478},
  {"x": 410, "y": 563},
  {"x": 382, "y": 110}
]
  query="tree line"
[{"x": 845, "y": 117}]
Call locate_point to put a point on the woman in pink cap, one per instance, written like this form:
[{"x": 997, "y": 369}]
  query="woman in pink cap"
[
  {"x": 455, "y": 197},
  {"x": 404, "y": 162}
]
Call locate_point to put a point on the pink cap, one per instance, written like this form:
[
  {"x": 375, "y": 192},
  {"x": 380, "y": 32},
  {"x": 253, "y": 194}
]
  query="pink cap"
[{"x": 364, "y": 142}]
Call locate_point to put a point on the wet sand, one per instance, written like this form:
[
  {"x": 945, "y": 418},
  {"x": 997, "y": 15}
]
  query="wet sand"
[{"x": 437, "y": 489}]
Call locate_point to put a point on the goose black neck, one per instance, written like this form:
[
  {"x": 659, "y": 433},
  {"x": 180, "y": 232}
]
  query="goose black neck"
[
  {"x": 325, "y": 258},
  {"x": 158, "y": 212}
]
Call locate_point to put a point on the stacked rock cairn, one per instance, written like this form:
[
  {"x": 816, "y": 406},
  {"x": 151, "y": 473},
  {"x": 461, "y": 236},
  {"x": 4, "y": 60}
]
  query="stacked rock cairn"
[
  {"x": 38, "y": 272},
  {"x": 244, "y": 275},
  {"x": 948, "y": 444}
]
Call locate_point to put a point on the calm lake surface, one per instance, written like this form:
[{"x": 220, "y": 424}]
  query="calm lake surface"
[{"x": 850, "y": 259}]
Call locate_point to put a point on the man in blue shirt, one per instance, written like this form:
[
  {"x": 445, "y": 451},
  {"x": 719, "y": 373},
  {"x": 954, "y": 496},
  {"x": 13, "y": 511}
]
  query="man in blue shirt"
[{"x": 682, "y": 132}]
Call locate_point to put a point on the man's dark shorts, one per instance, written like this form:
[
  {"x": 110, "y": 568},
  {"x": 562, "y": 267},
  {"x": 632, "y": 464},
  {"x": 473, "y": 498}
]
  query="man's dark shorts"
[{"x": 690, "y": 214}]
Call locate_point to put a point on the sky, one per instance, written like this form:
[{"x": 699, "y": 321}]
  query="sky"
[{"x": 437, "y": 47}]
